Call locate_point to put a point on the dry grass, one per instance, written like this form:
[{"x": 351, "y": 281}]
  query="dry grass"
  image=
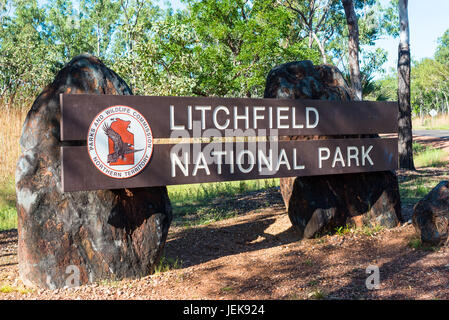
[
  {"x": 11, "y": 122},
  {"x": 441, "y": 122}
]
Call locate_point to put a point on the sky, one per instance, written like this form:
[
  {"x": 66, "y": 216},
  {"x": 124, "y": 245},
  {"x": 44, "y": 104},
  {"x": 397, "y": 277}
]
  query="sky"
[{"x": 428, "y": 20}]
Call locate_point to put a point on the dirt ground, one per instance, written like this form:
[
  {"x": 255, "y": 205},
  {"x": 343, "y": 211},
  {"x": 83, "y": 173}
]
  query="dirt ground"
[{"x": 258, "y": 256}]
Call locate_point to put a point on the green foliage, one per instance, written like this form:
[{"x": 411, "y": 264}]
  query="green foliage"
[
  {"x": 429, "y": 83},
  {"x": 385, "y": 89},
  {"x": 212, "y": 48},
  {"x": 442, "y": 52},
  {"x": 24, "y": 60},
  {"x": 429, "y": 86},
  {"x": 238, "y": 42},
  {"x": 374, "y": 21}
]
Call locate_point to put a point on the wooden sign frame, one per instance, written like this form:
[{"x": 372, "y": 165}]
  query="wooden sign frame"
[{"x": 184, "y": 163}]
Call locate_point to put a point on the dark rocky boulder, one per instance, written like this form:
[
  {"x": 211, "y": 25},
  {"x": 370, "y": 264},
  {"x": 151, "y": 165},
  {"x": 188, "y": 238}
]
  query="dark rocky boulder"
[
  {"x": 431, "y": 215},
  {"x": 320, "y": 203},
  {"x": 105, "y": 234}
]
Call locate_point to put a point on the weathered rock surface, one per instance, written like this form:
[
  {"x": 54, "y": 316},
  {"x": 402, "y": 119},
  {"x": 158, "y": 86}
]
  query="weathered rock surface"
[
  {"x": 106, "y": 234},
  {"x": 431, "y": 215},
  {"x": 320, "y": 203}
]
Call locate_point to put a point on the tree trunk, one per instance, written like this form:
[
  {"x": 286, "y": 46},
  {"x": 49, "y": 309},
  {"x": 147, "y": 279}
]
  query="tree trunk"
[
  {"x": 405, "y": 137},
  {"x": 321, "y": 47},
  {"x": 98, "y": 41},
  {"x": 354, "y": 67}
]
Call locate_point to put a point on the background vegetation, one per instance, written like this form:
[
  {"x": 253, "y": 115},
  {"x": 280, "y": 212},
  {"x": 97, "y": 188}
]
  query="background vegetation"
[{"x": 213, "y": 47}]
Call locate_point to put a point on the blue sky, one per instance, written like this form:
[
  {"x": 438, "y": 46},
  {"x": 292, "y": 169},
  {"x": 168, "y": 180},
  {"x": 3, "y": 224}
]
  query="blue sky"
[{"x": 428, "y": 21}]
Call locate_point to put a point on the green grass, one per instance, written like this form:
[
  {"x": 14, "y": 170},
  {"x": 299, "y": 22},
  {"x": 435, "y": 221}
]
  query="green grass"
[
  {"x": 367, "y": 230},
  {"x": 201, "y": 204},
  {"x": 309, "y": 262},
  {"x": 417, "y": 244},
  {"x": 8, "y": 213},
  {"x": 8, "y": 218},
  {"x": 412, "y": 190},
  {"x": 428, "y": 157},
  {"x": 165, "y": 264},
  {"x": 10, "y": 289},
  {"x": 227, "y": 289},
  {"x": 341, "y": 231}
]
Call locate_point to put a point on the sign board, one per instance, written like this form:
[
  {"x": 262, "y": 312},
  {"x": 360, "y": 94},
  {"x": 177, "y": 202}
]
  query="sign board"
[{"x": 109, "y": 141}]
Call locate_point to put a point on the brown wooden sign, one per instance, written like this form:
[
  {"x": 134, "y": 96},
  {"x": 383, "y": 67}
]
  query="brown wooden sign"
[
  {"x": 168, "y": 116},
  {"x": 119, "y": 150}
]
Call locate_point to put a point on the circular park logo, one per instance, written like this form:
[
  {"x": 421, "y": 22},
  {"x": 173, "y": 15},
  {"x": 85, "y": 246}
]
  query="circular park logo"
[{"x": 120, "y": 142}]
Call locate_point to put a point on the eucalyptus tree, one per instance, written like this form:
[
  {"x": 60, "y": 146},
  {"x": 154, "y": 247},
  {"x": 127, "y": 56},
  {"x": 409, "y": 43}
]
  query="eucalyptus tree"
[
  {"x": 353, "y": 48},
  {"x": 238, "y": 42},
  {"x": 442, "y": 52},
  {"x": 25, "y": 63},
  {"x": 325, "y": 24},
  {"x": 134, "y": 30},
  {"x": 102, "y": 17},
  {"x": 405, "y": 137}
]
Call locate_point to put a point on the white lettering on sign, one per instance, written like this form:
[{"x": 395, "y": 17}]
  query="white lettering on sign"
[
  {"x": 221, "y": 117},
  {"x": 317, "y": 117},
  {"x": 203, "y": 110},
  {"x": 338, "y": 156},
  {"x": 256, "y": 116},
  {"x": 238, "y": 117},
  {"x": 282, "y": 117},
  {"x": 261, "y": 161},
  {"x": 214, "y": 117},
  {"x": 365, "y": 155},
  {"x": 322, "y": 157},
  {"x": 172, "y": 120}
]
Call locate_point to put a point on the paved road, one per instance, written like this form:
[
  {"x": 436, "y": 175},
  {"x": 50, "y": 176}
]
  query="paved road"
[{"x": 442, "y": 134}]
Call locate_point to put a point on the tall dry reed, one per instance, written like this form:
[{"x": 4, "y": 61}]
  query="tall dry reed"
[{"x": 11, "y": 121}]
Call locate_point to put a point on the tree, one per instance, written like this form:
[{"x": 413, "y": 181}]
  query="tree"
[
  {"x": 354, "y": 67},
  {"x": 238, "y": 42},
  {"x": 25, "y": 63},
  {"x": 134, "y": 30},
  {"x": 442, "y": 53},
  {"x": 102, "y": 17},
  {"x": 405, "y": 137},
  {"x": 429, "y": 87},
  {"x": 324, "y": 23},
  {"x": 319, "y": 20}
]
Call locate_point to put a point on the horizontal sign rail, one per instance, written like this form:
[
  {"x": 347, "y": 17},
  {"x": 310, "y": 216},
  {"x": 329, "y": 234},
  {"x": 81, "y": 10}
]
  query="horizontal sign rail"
[
  {"x": 171, "y": 117},
  {"x": 197, "y": 163}
]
